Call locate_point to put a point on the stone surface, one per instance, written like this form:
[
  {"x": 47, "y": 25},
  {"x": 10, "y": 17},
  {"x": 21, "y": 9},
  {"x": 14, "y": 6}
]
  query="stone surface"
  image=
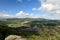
[{"x": 14, "y": 37}]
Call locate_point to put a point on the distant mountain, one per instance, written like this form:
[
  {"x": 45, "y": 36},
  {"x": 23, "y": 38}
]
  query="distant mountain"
[
  {"x": 34, "y": 19},
  {"x": 27, "y": 19}
]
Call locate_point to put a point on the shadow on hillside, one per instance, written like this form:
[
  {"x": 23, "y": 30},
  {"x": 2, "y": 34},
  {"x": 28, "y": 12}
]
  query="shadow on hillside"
[{"x": 6, "y": 31}]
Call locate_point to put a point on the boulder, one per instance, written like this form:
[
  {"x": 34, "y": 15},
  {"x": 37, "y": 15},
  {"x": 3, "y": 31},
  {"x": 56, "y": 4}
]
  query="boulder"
[{"x": 14, "y": 37}]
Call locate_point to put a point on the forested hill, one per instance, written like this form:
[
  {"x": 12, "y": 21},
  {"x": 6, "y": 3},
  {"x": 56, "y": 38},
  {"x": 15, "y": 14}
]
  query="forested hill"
[{"x": 31, "y": 29}]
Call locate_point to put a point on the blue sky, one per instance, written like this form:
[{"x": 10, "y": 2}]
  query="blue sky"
[
  {"x": 14, "y": 6},
  {"x": 49, "y": 9}
]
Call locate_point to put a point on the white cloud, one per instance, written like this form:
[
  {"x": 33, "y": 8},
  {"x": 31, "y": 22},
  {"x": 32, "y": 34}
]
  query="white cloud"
[
  {"x": 22, "y": 14},
  {"x": 51, "y": 6},
  {"x": 4, "y": 16},
  {"x": 34, "y": 9},
  {"x": 48, "y": 7},
  {"x": 56, "y": 9},
  {"x": 41, "y": 1}
]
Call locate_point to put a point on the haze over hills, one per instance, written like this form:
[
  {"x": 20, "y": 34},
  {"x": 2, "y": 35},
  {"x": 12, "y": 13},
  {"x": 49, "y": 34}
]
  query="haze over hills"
[{"x": 33, "y": 19}]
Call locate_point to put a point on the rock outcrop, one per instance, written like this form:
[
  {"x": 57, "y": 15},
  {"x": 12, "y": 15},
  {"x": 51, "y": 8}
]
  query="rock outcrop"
[{"x": 14, "y": 37}]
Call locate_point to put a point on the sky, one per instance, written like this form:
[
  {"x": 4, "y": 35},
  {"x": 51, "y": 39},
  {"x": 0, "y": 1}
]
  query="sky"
[{"x": 49, "y": 9}]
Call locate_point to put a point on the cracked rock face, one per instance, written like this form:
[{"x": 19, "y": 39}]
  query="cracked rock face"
[{"x": 14, "y": 37}]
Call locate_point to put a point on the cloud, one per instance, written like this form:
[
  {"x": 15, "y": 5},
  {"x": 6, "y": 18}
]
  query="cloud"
[
  {"x": 47, "y": 7},
  {"x": 34, "y": 9},
  {"x": 41, "y": 1},
  {"x": 22, "y": 14},
  {"x": 52, "y": 7},
  {"x": 4, "y": 16}
]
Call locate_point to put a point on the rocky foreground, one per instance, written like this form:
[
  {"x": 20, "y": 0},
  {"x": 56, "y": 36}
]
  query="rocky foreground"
[{"x": 14, "y": 37}]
